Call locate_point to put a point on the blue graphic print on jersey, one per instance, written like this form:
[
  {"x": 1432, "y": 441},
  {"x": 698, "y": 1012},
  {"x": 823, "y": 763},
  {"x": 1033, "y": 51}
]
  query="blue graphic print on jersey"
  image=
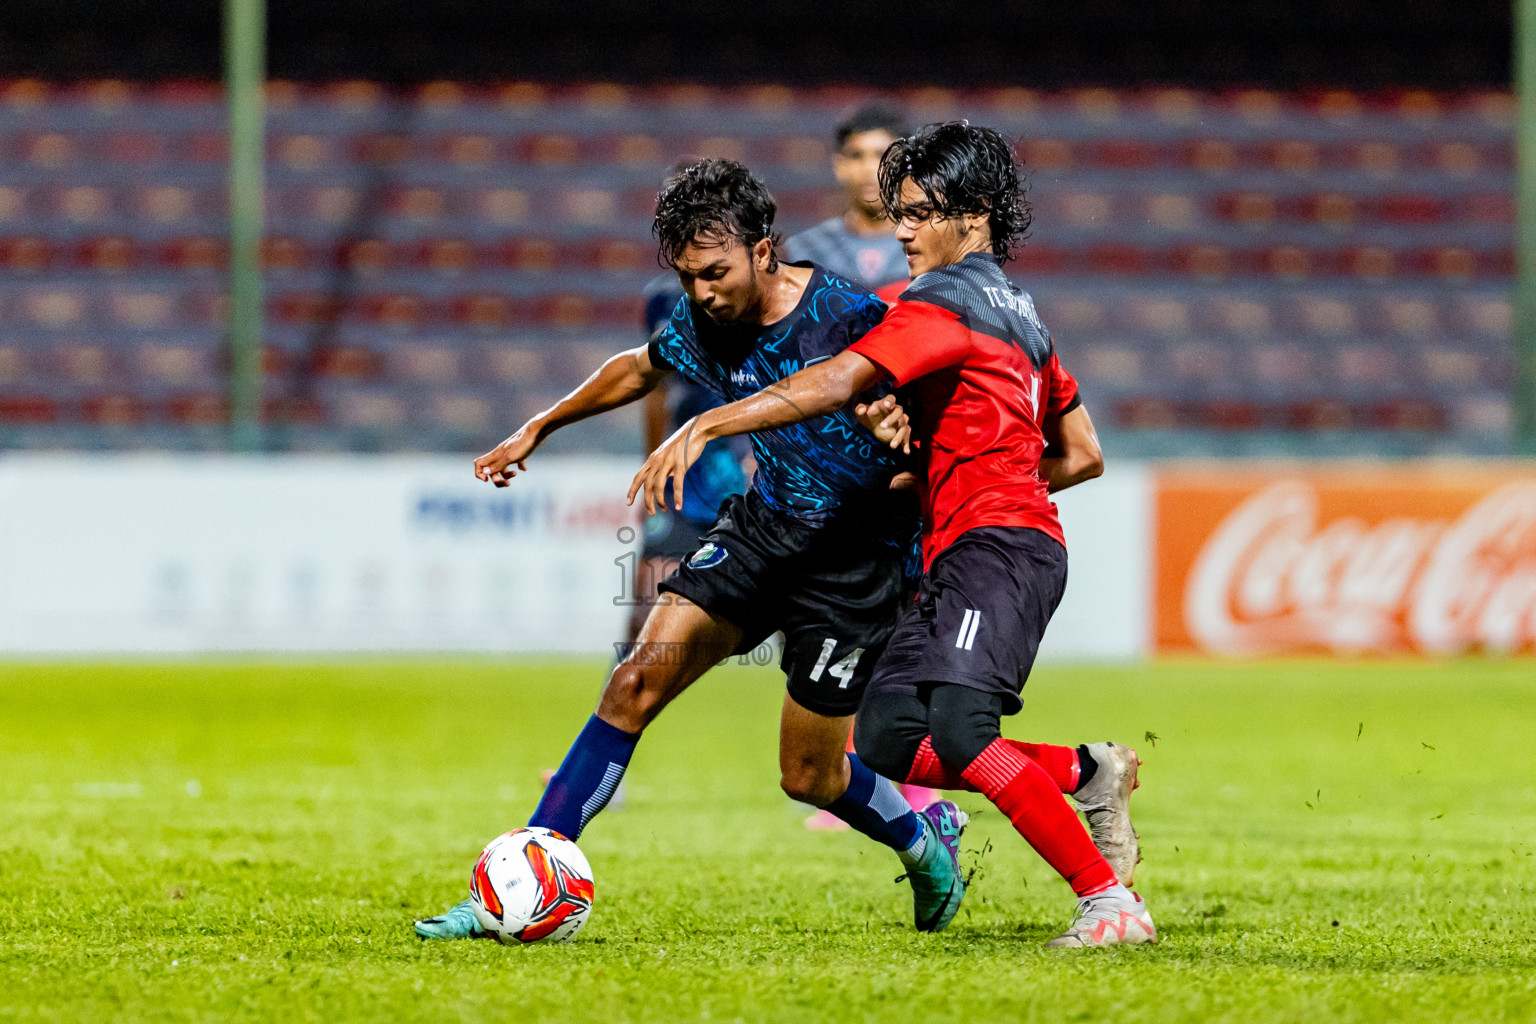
[
  {"x": 809, "y": 469},
  {"x": 718, "y": 474}
]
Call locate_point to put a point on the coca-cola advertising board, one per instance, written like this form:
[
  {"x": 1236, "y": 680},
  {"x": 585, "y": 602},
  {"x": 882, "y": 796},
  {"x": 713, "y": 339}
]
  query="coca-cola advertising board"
[{"x": 1422, "y": 558}]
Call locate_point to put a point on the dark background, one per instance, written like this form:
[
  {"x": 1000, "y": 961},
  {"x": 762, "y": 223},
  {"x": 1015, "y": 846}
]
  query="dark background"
[{"x": 1366, "y": 44}]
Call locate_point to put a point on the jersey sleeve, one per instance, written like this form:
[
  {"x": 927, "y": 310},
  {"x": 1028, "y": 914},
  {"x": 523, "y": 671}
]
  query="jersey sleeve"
[
  {"x": 655, "y": 351},
  {"x": 1061, "y": 395},
  {"x": 915, "y": 339}
]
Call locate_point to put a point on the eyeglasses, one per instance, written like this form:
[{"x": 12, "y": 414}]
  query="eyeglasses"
[{"x": 916, "y": 216}]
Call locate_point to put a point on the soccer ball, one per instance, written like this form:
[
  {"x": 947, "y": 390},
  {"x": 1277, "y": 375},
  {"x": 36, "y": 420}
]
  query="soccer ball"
[{"x": 531, "y": 885}]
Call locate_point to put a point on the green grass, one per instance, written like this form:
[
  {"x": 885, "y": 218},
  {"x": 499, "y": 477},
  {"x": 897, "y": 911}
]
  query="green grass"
[{"x": 199, "y": 841}]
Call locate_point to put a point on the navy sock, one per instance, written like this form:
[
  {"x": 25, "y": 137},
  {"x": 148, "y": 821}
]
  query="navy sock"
[
  {"x": 873, "y": 805},
  {"x": 591, "y": 771}
]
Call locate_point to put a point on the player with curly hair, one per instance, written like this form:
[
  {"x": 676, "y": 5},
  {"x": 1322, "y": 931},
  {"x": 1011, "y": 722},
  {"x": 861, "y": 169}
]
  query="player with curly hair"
[{"x": 816, "y": 548}]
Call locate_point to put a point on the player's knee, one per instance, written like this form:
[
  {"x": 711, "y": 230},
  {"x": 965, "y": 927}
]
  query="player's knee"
[
  {"x": 959, "y": 741},
  {"x": 812, "y": 783},
  {"x": 634, "y": 695},
  {"x": 880, "y": 749}
]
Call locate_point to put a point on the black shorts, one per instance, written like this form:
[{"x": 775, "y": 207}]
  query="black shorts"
[
  {"x": 981, "y": 612},
  {"x": 673, "y": 536},
  {"x": 833, "y": 589}
]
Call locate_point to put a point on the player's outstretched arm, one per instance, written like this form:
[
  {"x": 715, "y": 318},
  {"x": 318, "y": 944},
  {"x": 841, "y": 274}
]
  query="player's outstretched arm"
[
  {"x": 1073, "y": 451},
  {"x": 814, "y": 391},
  {"x": 619, "y": 381}
]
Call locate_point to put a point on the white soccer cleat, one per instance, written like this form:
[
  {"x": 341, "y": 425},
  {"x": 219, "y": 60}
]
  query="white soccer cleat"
[
  {"x": 1108, "y": 921},
  {"x": 1106, "y": 802}
]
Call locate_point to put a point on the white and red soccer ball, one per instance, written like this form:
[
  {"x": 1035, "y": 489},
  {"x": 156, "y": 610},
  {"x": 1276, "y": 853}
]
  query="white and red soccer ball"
[{"x": 531, "y": 885}]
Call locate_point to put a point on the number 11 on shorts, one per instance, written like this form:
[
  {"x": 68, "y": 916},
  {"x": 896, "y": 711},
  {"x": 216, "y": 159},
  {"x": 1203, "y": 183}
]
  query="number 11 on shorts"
[{"x": 843, "y": 670}]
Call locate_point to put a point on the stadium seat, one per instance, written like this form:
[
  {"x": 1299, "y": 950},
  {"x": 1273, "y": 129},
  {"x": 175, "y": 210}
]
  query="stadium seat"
[{"x": 1231, "y": 261}]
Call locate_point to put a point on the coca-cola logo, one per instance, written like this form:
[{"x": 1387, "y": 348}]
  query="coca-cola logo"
[{"x": 1274, "y": 577}]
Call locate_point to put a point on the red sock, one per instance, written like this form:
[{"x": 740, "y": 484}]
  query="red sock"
[
  {"x": 1060, "y": 763},
  {"x": 1023, "y": 791}
]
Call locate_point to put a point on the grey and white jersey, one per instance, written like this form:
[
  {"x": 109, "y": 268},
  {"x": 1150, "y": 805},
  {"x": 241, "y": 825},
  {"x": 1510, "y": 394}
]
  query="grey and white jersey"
[{"x": 871, "y": 260}]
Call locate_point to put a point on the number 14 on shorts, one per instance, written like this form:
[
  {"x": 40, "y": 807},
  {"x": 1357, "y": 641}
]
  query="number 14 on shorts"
[{"x": 843, "y": 670}]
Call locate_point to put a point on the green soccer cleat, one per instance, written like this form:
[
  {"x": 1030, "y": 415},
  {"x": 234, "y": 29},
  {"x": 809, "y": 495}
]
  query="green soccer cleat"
[
  {"x": 457, "y": 922},
  {"x": 937, "y": 884}
]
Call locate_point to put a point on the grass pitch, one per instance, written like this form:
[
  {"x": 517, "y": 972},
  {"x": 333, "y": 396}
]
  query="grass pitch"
[{"x": 201, "y": 841}]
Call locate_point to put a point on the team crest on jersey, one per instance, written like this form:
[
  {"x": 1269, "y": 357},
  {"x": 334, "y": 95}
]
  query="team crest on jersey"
[
  {"x": 871, "y": 262},
  {"x": 708, "y": 556}
]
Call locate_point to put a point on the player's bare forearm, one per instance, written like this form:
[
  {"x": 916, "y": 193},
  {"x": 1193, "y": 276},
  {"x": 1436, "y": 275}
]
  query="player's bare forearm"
[
  {"x": 624, "y": 378},
  {"x": 814, "y": 391},
  {"x": 1080, "y": 456}
]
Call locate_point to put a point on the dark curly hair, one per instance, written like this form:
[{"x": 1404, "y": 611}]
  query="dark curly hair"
[
  {"x": 961, "y": 168},
  {"x": 713, "y": 196}
]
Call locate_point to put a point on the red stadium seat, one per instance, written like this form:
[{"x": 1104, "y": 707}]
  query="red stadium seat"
[
  {"x": 383, "y": 148},
  {"x": 1294, "y": 156},
  {"x": 485, "y": 312},
  {"x": 1125, "y": 155},
  {"x": 303, "y": 152},
  {"x": 1150, "y": 414},
  {"x": 1211, "y": 156},
  {"x": 280, "y": 253},
  {"x": 347, "y": 362},
  {"x": 1376, "y": 159},
  {"x": 1289, "y": 262},
  {"x": 193, "y": 254},
  {"x": 54, "y": 150},
  {"x": 303, "y": 308},
  {"x": 1046, "y": 154},
  {"x": 27, "y": 256},
  {"x": 116, "y": 410},
  {"x": 1036, "y": 258},
  {"x": 1416, "y": 208},
  {"x": 198, "y": 409},
  {"x": 25, "y": 409},
  {"x": 422, "y": 204},
  {"x": 110, "y": 255},
  {"x": 1119, "y": 259},
  {"x": 1371, "y": 262},
  {"x": 446, "y": 256},
  {"x": 1319, "y": 415},
  {"x": 1250, "y": 209},
  {"x": 546, "y": 150},
  {"x": 1406, "y": 414},
  {"x": 1232, "y": 415},
  {"x": 1488, "y": 208}
]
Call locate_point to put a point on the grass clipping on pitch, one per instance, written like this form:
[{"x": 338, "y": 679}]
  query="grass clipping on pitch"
[{"x": 251, "y": 842}]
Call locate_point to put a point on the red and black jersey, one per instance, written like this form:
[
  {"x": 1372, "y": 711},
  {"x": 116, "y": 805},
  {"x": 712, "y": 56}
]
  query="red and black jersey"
[{"x": 979, "y": 374}]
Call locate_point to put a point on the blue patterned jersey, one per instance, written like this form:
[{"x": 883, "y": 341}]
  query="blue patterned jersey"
[
  {"x": 809, "y": 469},
  {"x": 719, "y": 473}
]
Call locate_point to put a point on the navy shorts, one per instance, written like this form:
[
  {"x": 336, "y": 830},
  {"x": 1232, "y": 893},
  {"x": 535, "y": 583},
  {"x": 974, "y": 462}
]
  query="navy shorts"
[
  {"x": 833, "y": 589},
  {"x": 981, "y": 612}
]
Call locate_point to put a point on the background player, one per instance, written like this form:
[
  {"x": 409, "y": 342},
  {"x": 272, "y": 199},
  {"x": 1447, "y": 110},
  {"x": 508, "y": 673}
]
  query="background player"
[
  {"x": 816, "y": 548},
  {"x": 860, "y": 243},
  {"x": 986, "y": 390}
]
